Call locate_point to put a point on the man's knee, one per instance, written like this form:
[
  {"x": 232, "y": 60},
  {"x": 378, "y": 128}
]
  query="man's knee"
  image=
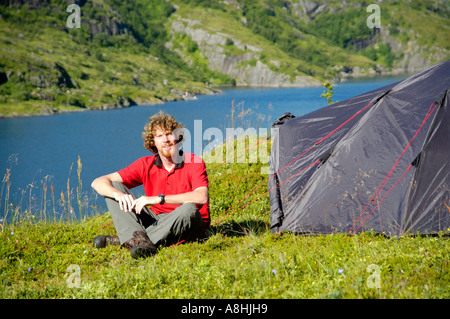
[
  {"x": 188, "y": 217},
  {"x": 119, "y": 186},
  {"x": 189, "y": 211},
  {"x": 189, "y": 221}
]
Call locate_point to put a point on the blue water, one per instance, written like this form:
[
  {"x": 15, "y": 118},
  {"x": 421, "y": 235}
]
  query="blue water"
[{"x": 43, "y": 148}]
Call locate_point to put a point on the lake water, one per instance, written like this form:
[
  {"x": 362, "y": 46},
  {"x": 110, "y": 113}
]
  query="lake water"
[{"x": 42, "y": 149}]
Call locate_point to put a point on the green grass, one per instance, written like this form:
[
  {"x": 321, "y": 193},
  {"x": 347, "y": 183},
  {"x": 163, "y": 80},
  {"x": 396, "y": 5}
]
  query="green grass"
[{"x": 239, "y": 258}]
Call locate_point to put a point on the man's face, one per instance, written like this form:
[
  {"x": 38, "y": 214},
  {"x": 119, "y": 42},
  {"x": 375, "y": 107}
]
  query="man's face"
[{"x": 165, "y": 142}]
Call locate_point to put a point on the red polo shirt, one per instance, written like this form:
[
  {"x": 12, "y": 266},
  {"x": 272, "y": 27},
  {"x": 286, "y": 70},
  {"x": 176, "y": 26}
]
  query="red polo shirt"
[{"x": 185, "y": 177}]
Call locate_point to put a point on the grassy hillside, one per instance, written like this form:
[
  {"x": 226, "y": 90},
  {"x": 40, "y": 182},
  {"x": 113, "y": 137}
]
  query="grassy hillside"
[
  {"x": 127, "y": 52},
  {"x": 324, "y": 37},
  {"x": 239, "y": 258},
  {"x": 51, "y": 67},
  {"x": 308, "y": 55}
]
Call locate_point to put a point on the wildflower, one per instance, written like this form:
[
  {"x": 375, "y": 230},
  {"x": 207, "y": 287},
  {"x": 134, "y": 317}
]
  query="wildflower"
[
  {"x": 12, "y": 233},
  {"x": 30, "y": 269},
  {"x": 340, "y": 271},
  {"x": 274, "y": 271}
]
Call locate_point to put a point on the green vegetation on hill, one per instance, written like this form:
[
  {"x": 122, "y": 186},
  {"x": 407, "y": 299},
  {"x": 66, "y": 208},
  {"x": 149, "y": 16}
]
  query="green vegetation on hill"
[
  {"x": 239, "y": 258},
  {"x": 127, "y": 53},
  {"x": 52, "y": 68},
  {"x": 295, "y": 37}
]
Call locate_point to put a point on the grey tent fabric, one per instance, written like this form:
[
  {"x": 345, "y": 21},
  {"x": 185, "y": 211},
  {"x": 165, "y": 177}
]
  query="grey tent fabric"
[{"x": 378, "y": 161}]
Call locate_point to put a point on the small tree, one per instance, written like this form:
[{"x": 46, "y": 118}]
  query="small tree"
[{"x": 328, "y": 93}]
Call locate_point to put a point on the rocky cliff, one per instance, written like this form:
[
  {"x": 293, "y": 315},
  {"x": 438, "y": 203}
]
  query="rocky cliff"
[
  {"x": 245, "y": 66},
  {"x": 403, "y": 27}
]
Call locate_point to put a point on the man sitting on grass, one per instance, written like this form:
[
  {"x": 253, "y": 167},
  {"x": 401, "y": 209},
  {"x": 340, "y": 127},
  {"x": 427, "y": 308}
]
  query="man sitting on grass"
[{"x": 176, "y": 202}]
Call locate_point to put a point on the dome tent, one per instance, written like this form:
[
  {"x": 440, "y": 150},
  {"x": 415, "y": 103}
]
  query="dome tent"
[{"x": 378, "y": 161}]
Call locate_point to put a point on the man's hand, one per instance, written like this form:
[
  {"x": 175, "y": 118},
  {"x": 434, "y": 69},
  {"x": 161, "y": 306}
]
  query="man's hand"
[
  {"x": 143, "y": 201},
  {"x": 126, "y": 201}
]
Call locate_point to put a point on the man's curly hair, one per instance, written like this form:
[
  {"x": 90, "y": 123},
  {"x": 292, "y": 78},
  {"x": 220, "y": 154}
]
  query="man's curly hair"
[{"x": 162, "y": 121}]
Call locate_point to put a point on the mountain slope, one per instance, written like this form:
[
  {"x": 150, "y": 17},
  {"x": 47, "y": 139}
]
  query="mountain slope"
[
  {"x": 47, "y": 67},
  {"x": 326, "y": 39},
  {"x": 143, "y": 52}
]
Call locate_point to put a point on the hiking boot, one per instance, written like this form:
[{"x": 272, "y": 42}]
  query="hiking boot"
[
  {"x": 102, "y": 241},
  {"x": 140, "y": 245},
  {"x": 142, "y": 251}
]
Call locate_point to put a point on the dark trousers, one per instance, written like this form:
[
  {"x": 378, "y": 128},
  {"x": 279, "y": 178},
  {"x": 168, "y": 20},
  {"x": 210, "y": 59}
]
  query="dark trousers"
[{"x": 183, "y": 223}]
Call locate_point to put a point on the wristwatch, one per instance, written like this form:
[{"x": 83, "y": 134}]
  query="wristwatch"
[{"x": 163, "y": 200}]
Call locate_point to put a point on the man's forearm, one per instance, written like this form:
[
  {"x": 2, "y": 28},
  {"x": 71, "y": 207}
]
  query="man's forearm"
[
  {"x": 198, "y": 196},
  {"x": 103, "y": 186}
]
